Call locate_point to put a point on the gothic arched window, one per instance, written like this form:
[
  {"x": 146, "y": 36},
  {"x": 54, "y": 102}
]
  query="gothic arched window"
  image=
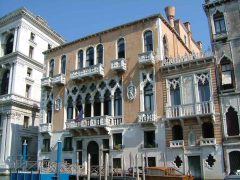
[
  {"x": 90, "y": 57},
  {"x": 63, "y": 64},
  {"x": 49, "y": 112},
  {"x": 70, "y": 108},
  {"x": 97, "y": 104},
  {"x": 107, "y": 103},
  {"x": 118, "y": 103},
  {"x": 148, "y": 41},
  {"x": 100, "y": 54},
  {"x": 80, "y": 59},
  {"x": 148, "y": 97},
  {"x": 78, "y": 105},
  {"x": 219, "y": 23},
  {"x": 232, "y": 122},
  {"x": 226, "y": 75},
  {"x": 88, "y": 106},
  {"x": 165, "y": 46},
  {"x": 121, "y": 48},
  {"x": 234, "y": 161},
  {"x": 51, "y": 68}
]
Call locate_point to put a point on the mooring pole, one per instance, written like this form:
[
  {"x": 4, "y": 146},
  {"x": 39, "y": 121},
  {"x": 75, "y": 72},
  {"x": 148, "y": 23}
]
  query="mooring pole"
[
  {"x": 143, "y": 167},
  {"x": 106, "y": 166},
  {"x": 77, "y": 178},
  {"x": 59, "y": 152},
  {"x": 89, "y": 167},
  {"x": 137, "y": 166},
  {"x": 24, "y": 153}
]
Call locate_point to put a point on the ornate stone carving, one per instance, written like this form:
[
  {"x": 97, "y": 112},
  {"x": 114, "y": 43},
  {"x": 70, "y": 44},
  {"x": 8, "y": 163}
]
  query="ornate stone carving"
[
  {"x": 58, "y": 103},
  {"x": 131, "y": 91}
]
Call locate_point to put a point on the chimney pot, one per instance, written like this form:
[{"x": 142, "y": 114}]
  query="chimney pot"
[{"x": 170, "y": 13}]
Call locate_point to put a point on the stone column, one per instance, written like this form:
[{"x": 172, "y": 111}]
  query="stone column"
[
  {"x": 102, "y": 106},
  {"x": 112, "y": 105},
  {"x": 10, "y": 79},
  {"x": 92, "y": 108},
  {"x": 15, "y": 39}
]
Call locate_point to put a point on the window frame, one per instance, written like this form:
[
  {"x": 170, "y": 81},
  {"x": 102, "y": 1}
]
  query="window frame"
[
  {"x": 219, "y": 23},
  {"x": 100, "y": 54},
  {"x": 121, "y": 44},
  {"x": 90, "y": 55},
  {"x": 145, "y": 44},
  {"x": 51, "y": 68},
  {"x": 63, "y": 64}
]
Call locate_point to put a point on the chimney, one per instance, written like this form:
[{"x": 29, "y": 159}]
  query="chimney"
[
  {"x": 170, "y": 13},
  {"x": 188, "y": 26}
]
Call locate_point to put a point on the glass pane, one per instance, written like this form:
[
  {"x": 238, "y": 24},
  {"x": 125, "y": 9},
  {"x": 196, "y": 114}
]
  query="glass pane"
[
  {"x": 226, "y": 78},
  {"x": 175, "y": 96},
  {"x": 188, "y": 90}
]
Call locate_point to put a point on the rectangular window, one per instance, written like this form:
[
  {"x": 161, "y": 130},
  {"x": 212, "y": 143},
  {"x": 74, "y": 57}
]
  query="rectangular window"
[
  {"x": 32, "y": 36},
  {"x": 26, "y": 122},
  {"x": 117, "y": 141},
  {"x": 219, "y": 25},
  {"x": 175, "y": 96},
  {"x": 151, "y": 161},
  {"x": 46, "y": 145},
  {"x": 226, "y": 74},
  {"x": 105, "y": 143},
  {"x": 116, "y": 162},
  {"x": 27, "y": 93},
  {"x": 29, "y": 72},
  {"x": 79, "y": 145},
  {"x": 67, "y": 144},
  {"x": 31, "y": 51},
  {"x": 149, "y": 139},
  {"x": 204, "y": 91},
  {"x": 68, "y": 161}
]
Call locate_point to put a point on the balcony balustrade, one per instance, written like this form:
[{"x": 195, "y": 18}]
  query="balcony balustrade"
[
  {"x": 186, "y": 110},
  {"x": 13, "y": 98},
  {"x": 95, "y": 70},
  {"x": 46, "y": 82},
  {"x": 45, "y": 128},
  {"x": 146, "y": 58},
  {"x": 185, "y": 59},
  {"x": 119, "y": 65},
  {"x": 176, "y": 143},
  {"x": 146, "y": 117},
  {"x": 207, "y": 141},
  {"x": 58, "y": 79},
  {"x": 93, "y": 122}
]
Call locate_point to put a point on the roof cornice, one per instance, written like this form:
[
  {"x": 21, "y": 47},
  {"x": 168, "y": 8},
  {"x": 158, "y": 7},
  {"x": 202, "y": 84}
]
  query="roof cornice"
[
  {"x": 148, "y": 18},
  {"x": 39, "y": 21}
]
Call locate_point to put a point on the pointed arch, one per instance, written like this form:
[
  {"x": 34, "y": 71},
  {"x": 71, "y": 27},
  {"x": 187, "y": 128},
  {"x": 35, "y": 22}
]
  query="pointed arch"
[
  {"x": 121, "y": 48},
  {"x": 226, "y": 73},
  {"x": 97, "y": 104},
  {"x": 107, "y": 103},
  {"x": 63, "y": 64},
  {"x": 118, "y": 102},
  {"x": 80, "y": 59},
  {"x": 100, "y": 54},
  {"x": 87, "y": 110},
  {"x": 90, "y": 57},
  {"x": 232, "y": 122},
  {"x": 78, "y": 103},
  {"x": 70, "y": 108}
]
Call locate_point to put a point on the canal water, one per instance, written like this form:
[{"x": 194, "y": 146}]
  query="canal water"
[{"x": 4, "y": 177}]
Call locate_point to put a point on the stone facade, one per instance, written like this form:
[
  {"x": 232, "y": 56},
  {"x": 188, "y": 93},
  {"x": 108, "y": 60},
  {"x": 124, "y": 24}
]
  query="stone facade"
[
  {"x": 111, "y": 92},
  {"x": 226, "y": 45},
  {"x": 23, "y": 38}
]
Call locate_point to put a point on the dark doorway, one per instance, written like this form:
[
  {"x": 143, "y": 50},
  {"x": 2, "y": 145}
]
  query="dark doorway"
[
  {"x": 93, "y": 150},
  {"x": 234, "y": 160},
  {"x": 194, "y": 166}
]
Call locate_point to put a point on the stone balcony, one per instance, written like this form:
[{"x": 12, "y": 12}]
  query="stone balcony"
[
  {"x": 46, "y": 82},
  {"x": 146, "y": 58},
  {"x": 91, "y": 71},
  {"x": 13, "y": 98},
  {"x": 177, "y": 143},
  {"x": 188, "y": 110},
  {"x": 195, "y": 59},
  {"x": 94, "y": 122},
  {"x": 146, "y": 117},
  {"x": 58, "y": 79},
  {"x": 207, "y": 141},
  {"x": 119, "y": 64},
  {"x": 45, "y": 128},
  {"x": 220, "y": 36}
]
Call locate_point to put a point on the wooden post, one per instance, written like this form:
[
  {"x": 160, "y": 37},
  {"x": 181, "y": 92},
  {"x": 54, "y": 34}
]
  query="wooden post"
[
  {"x": 89, "y": 167},
  {"x": 123, "y": 165},
  {"x": 77, "y": 178},
  {"x": 143, "y": 167},
  {"x": 133, "y": 166},
  {"x": 137, "y": 166},
  {"x": 106, "y": 167}
]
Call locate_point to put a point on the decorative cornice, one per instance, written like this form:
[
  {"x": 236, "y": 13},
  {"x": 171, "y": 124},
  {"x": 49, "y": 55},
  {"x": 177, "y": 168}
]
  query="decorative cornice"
[
  {"x": 13, "y": 98},
  {"x": 12, "y": 57},
  {"x": 39, "y": 21},
  {"x": 148, "y": 18}
]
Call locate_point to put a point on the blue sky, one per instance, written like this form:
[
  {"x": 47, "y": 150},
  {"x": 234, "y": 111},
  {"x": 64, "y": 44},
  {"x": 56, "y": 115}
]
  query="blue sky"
[{"x": 77, "y": 18}]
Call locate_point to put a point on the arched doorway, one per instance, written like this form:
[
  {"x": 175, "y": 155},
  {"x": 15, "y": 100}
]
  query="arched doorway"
[{"x": 93, "y": 150}]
